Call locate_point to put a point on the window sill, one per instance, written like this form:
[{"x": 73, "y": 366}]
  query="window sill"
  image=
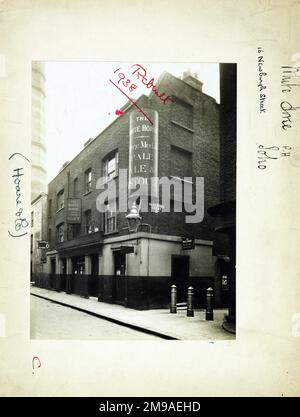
[
  {"x": 107, "y": 180},
  {"x": 182, "y": 126},
  {"x": 57, "y": 211},
  {"x": 111, "y": 233},
  {"x": 87, "y": 193}
]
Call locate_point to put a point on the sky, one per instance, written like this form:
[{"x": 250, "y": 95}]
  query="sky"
[{"x": 81, "y": 101}]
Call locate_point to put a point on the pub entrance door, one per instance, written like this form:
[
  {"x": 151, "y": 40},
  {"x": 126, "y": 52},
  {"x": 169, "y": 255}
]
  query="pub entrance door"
[
  {"x": 63, "y": 274},
  {"x": 180, "y": 275},
  {"x": 52, "y": 273},
  {"x": 94, "y": 277},
  {"x": 119, "y": 285}
]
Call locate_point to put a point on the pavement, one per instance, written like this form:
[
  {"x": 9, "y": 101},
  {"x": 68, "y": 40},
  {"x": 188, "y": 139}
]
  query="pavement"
[
  {"x": 158, "y": 322},
  {"x": 53, "y": 321}
]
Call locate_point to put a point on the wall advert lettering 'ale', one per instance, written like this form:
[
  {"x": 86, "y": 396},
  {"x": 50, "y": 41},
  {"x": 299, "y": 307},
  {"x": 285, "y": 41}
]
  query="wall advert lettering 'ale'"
[{"x": 143, "y": 153}]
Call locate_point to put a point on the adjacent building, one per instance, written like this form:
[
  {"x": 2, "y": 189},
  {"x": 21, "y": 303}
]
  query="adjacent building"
[
  {"x": 38, "y": 233},
  {"x": 38, "y": 146},
  {"x": 93, "y": 252},
  {"x": 38, "y": 169},
  {"x": 224, "y": 213}
]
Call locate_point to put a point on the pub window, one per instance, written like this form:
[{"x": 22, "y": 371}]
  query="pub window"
[
  {"x": 75, "y": 187},
  {"x": 88, "y": 181},
  {"x": 181, "y": 162},
  {"x": 60, "y": 200},
  {"x": 60, "y": 233},
  {"x": 182, "y": 113},
  {"x": 88, "y": 222},
  {"x": 31, "y": 243},
  {"x": 110, "y": 166},
  {"x": 75, "y": 230},
  {"x": 110, "y": 217},
  {"x": 78, "y": 265}
]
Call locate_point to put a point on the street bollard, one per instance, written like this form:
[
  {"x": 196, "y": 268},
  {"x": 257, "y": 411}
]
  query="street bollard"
[
  {"x": 209, "y": 304},
  {"x": 190, "y": 296},
  {"x": 173, "y": 308}
]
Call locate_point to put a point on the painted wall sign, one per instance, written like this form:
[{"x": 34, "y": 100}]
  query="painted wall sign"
[
  {"x": 143, "y": 152},
  {"x": 74, "y": 210}
]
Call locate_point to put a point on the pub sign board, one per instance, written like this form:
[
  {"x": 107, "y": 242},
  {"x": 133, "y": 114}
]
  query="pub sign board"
[
  {"x": 188, "y": 243},
  {"x": 43, "y": 244},
  {"x": 74, "y": 210}
]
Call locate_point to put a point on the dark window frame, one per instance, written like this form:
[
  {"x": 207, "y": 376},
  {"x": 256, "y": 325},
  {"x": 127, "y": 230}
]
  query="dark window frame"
[
  {"x": 60, "y": 204},
  {"x": 110, "y": 218},
  {"x": 107, "y": 172},
  {"x": 60, "y": 233},
  {"x": 88, "y": 224},
  {"x": 88, "y": 181},
  {"x": 75, "y": 187}
]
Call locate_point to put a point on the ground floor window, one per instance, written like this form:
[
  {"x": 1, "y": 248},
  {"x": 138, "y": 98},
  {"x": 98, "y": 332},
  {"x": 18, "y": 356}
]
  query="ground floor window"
[
  {"x": 60, "y": 233},
  {"x": 78, "y": 265}
]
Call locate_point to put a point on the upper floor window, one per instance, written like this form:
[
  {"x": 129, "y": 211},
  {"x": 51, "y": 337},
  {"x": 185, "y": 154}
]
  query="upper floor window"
[
  {"x": 60, "y": 233},
  {"x": 75, "y": 187},
  {"x": 60, "y": 200},
  {"x": 31, "y": 243},
  {"x": 32, "y": 221},
  {"x": 88, "y": 221},
  {"x": 182, "y": 113},
  {"x": 75, "y": 228},
  {"x": 110, "y": 217},
  {"x": 110, "y": 166},
  {"x": 88, "y": 181}
]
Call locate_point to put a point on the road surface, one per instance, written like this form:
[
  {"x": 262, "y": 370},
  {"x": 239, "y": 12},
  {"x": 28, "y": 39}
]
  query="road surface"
[{"x": 49, "y": 320}]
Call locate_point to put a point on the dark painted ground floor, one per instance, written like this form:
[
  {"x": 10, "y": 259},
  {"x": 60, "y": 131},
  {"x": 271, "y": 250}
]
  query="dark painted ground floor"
[{"x": 136, "y": 292}]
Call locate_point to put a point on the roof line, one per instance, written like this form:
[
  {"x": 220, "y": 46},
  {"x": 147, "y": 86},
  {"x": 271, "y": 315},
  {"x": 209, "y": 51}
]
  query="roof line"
[{"x": 125, "y": 108}]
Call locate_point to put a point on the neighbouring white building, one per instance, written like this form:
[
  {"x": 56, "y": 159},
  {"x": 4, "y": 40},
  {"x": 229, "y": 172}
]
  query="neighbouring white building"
[{"x": 38, "y": 232}]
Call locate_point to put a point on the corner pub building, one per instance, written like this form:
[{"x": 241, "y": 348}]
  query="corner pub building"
[{"x": 93, "y": 253}]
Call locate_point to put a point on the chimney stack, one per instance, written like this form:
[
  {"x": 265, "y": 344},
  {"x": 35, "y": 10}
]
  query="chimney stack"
[{"x": 192, "y": 79}]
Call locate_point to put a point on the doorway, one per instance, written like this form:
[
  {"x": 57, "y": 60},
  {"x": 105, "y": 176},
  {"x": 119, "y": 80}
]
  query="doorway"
[
  {"x": 63, "y": 274},
  {"x": 94, "y": 277},
  {"x": 180, "y": 269},
  {"x": 52, "y": 273},
  {"x": 94, "y": 264},
  {"x": 119, "y": 286}
]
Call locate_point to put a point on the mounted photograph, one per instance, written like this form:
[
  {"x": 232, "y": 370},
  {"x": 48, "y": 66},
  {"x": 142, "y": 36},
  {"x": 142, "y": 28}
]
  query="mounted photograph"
[{"x": 133, "y": 201}]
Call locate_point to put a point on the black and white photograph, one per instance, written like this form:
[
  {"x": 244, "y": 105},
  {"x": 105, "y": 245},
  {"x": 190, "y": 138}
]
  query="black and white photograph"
[
  {"x": 149, "y": 203},
  {"x": 133, "y": 191}
]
